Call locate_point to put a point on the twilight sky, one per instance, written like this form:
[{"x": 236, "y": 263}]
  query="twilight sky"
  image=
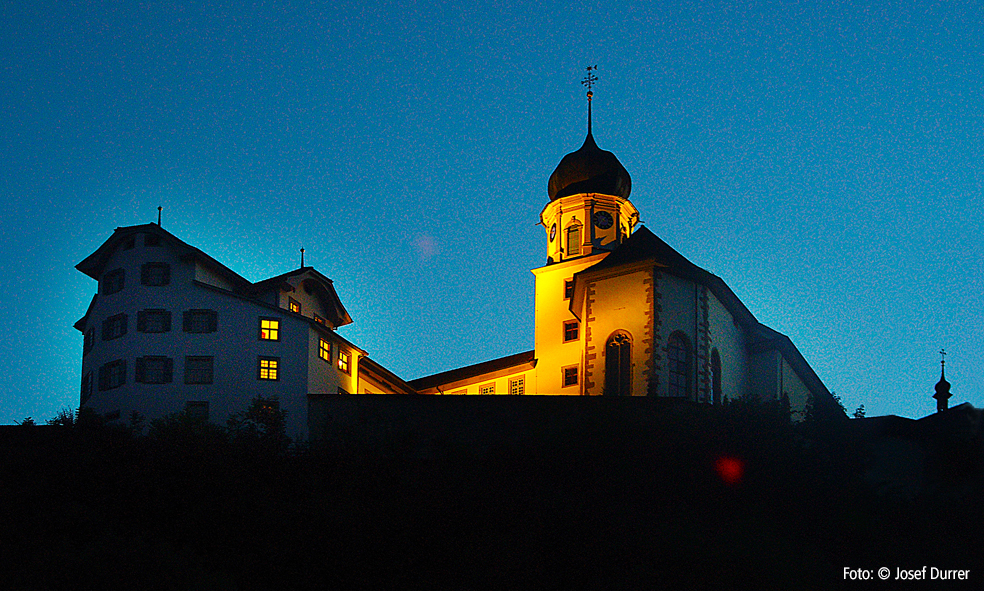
[{"x": 824, "y": 159}]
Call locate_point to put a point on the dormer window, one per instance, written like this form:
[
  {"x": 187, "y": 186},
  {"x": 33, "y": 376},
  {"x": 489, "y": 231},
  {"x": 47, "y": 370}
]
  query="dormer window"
[
  {"x": 112, "y": 281},
  {"x": 319, "y": 319},
  {"x": 155, "y": 274},
  {"x": 152, "y": 240},
  {"x": 129, "y": 243},
  {"x": 294, "y": 305}
]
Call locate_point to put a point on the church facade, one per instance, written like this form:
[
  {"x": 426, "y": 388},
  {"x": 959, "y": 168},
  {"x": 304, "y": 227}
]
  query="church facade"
[{"x": 618, "y": 313}]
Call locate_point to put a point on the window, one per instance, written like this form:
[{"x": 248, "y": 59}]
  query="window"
[
  {"x": 112, "y": 375},
  {"x": 87, "y": 339},
  {"x": 618, "y": 365},
  {"x": 86, "y": 387},
  {"x": 198, "y": 369},
  {"x": 129, "y": 243},
  {"x": 517, "y": 387},
  {"x": 269, "y": 329},
  {"x": 269, "y": 368},
  {"x": 343, "y": 361},
  {"x": 487, "y": 388},
  {"x": 319, "y": 319},
  {"x": 152, "y": 240},
  {"x": 294, "y": 305},
  {"x": 197, "y": 411},
  {"x": 677, "y": 354},
  {"x": 154, "y": 369},
  {"x": 114, "y": 327},
  {"x": 570, "y": 375},
  {"x": 199, "y": 321},
  {"x": 324, "y": 350},
  {"x": 574, "y": 240},
  {"x": 113, "y": 281},
  {"x": 715, "y": 376},
  {"x": 570, "y": 330},
  {"x": 155, "y": 274},
  {"x": 153, "y": 321},
  {"x": 568, "y": 289}
]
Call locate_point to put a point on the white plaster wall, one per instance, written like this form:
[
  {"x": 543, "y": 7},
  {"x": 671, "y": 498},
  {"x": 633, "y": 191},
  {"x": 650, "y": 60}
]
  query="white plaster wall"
[
  {"x": 679, "y": 313},
  {"x": 729, "y": 339},
  {"x": 618, "y": 303},
  {"x": 797, "y": 391},
  {"x": 764, "y": 374}
]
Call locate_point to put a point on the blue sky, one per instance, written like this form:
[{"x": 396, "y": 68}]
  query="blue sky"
[{"x": 825, "y": 160}]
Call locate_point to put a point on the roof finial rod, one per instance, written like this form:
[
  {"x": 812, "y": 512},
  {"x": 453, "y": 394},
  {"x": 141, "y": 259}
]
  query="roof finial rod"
[
  {"x": 589, "y": 81},
  {"x": 302, "y": 257},
  {"x": 159, "y": 210}
]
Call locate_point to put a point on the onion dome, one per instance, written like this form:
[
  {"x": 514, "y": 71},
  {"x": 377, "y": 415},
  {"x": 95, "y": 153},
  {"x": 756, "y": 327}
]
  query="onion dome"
[{"x": 589, "y": 170}]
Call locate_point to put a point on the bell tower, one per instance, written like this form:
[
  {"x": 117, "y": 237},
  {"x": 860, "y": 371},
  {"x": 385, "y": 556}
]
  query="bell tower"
[{"x": 589, "y": 209}]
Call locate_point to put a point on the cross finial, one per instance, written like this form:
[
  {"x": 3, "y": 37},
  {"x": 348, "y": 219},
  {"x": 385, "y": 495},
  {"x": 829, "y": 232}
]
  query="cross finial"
[
  {"x": 302, "y": 257},
  {"x": 159, "y": 210},
  {"x": 942, "y": 357},
  {"x": 590, "y": 79}
]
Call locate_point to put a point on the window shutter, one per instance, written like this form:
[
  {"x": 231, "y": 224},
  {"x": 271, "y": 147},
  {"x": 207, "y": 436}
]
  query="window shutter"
[
  {"x": 139, "y": 378},
  {"x": 123, "y": 325},
  {"x": 144, "y": 274},
  {"x": 166, "y": 274},
  {"x": 167, "y": 321},
  {"x": 168, "y": 370},
  {"x": 122, "y": 372},
  {"x": 213, "y": 320},
  {"x": 103, "y": 374},
  {"x": 105, "y": 333},
  {"x": 141, "y": 321},
  {"x": 186, "y": 321}
]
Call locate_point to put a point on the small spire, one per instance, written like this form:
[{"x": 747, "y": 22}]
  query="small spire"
[
  {"x": 302, "y": 257},
  {"x": 589, "y": 81},
  {"x": 942, "y": 395},
  {"x": 159, "y": 210}
]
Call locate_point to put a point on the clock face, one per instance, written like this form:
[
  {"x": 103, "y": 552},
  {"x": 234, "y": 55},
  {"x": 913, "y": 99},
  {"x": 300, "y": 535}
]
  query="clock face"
[
  {"x": 603, "y": 219},
  {"x": 553, "y": 232}
]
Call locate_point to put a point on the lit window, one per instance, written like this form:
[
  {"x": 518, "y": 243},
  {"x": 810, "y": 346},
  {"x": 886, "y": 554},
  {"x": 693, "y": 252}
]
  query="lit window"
[
  {"x": 343, "y": 361},
  {"x": 114, "y": 327},
  {"x": 154, "y": 369},
  {"x": 678, "y": 360},
  {"x": 200, "y": 321},
  {"x": 86, "y": 387},
  {"x": 198, "y": 369},
  {"x": 574, "y": 240},
  {"x": 155, "y": 274},
  {"x": 570, "y": 376},
  {"x": 517, "y": 387},
  {"x": 487, "y": 388},
  {"x": 269, "y": 329},
  {"x": 112, "y": 375},
  {"x": 571, "y": 330},
  {"x": 153, "y": 321},
  {"x": 568, "y": 289},
  {"x": 295, "y": 306},
  {"x": 324, "y": 350},
  {"x": 269, "y": 368},
  {"x": 113, "y": 281},
  {"x": 319, "y": 319}
]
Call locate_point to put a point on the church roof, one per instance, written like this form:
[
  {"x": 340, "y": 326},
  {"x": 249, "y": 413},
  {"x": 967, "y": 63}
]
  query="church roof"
[
  {"x": 502, "y": 364},
  {"x": 589, "y": 170}
]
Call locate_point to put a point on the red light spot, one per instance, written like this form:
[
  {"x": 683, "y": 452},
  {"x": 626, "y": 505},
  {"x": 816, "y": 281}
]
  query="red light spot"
[{"x": 730, "y": 469}]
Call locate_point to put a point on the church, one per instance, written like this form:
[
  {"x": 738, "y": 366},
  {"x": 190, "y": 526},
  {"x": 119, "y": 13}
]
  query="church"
[{"x": 618, "y": 313}]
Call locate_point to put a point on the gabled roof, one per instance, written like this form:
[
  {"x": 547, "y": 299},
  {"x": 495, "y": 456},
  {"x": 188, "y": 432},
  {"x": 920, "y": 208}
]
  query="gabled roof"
[
  {"x": 323, "y": 286},
  {"x": 471, "y": 371}
]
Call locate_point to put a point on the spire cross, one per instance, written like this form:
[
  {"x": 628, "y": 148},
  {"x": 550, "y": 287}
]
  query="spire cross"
[
  {"x": 590, "y": 80},
  {"x": 942, "y": 357}
]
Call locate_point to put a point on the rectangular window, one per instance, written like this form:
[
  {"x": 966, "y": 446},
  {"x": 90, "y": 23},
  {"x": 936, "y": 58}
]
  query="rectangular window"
[
  {"x": 153, "y": 321},
  {"x": 154, "y": 369},
  {"x": 113, "y": 281},
  {"x": 87, "y": 341},
  {"x": 568, "y": 289},
  {"x": 571, "y": 330},
  {"x": 343, "y": 361},
  {"x": 294, "y": 305},
  {"x": 324, "y": 350},
  {"x": 152, "y": 240},
  {"x": 269, "y": 368},
  {"x": 570, "y": 376},
  {"x": 112, "y": 375},
  {"x": 269, "y": 329},
  {"x": 517, "y": 387},
  {"x": 199, "y": 321},
  {"x": 319, "y": 319},
  {"x": 198, "y": 369},
  {"x": 573, "y": 241},
  {"x": 86, "y": 387},
  {"x": 155, "y": 274},
  {"x": 129, "y": 243},
  {"x": 114, "y": 327},
  {"x": 197, "y": 411},
  {"x": 487, "y": 388}
]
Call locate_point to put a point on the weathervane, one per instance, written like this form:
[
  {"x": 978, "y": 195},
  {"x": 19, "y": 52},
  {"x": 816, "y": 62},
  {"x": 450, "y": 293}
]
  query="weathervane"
[
  {"x": 589, "y": 81},
  {"x": 942, "y": 357}
]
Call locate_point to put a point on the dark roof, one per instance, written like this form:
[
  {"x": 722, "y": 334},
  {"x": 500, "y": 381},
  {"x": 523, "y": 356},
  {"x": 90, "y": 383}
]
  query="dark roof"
[
  {"x": 589, "y": 170},
  {"x": 385, "y": 376},
  {"x": 470, "y": 371}
]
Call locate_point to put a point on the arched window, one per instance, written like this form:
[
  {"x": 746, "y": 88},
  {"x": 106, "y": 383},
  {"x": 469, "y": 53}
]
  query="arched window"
[
  {"x": 678, "y": 356},
  {"x": 573, "y": 247},
  {"x": 715, "y": 376},
  {"x": 618, "y": 365}
]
